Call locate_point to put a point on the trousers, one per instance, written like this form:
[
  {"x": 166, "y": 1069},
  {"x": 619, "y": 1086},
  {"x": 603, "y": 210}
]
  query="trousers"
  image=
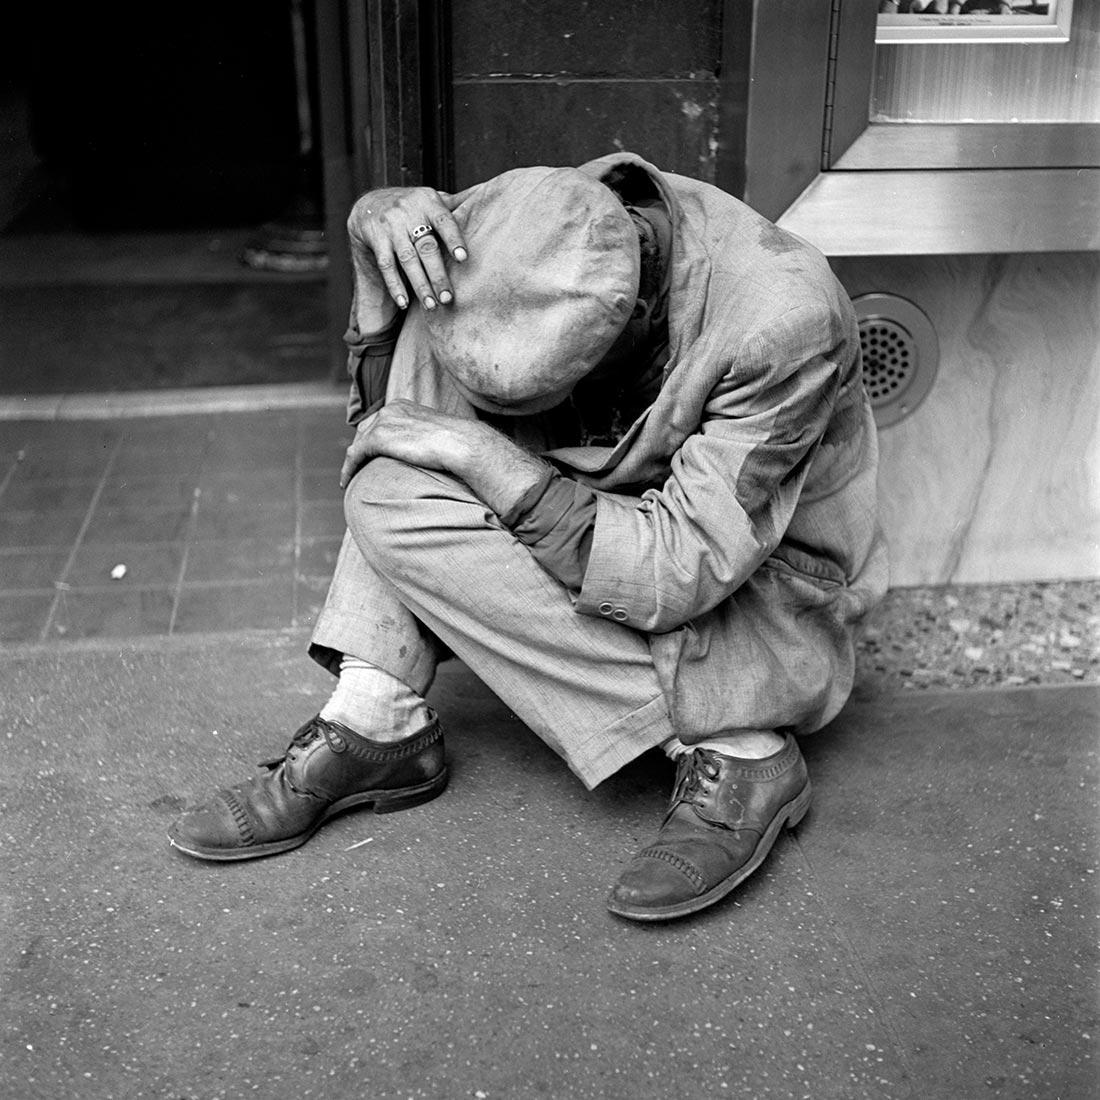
[{"x": 425, "y": 565}]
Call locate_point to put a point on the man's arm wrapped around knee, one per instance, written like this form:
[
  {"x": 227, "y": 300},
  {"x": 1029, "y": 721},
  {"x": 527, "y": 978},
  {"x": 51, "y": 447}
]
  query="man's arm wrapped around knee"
[{"x": 734, "y": 484}]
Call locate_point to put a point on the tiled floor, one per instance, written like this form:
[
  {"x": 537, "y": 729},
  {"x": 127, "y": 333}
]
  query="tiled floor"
[
  {"x": 231, "y": 521},
  {"x": 221, "y": 522}
]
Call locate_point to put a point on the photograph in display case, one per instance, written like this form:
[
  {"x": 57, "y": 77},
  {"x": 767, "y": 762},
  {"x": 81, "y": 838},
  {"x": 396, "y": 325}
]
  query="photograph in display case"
[{"x": 940, "y": 21}]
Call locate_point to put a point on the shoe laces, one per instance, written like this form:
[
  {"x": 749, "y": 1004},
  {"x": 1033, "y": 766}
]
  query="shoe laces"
[
  {"x": 696, "y": 773},
  {"x": 314, "y": 728}
]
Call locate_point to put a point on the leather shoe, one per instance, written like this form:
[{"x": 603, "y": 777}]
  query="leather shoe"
[
  {"x": 327, "y": 768},
  {"x": 723, "y": 818}
]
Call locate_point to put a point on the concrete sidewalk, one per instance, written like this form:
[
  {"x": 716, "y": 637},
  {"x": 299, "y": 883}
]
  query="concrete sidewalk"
[{"x": 928, "y": 932}]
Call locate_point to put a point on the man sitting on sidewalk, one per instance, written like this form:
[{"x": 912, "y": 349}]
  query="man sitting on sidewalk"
[{"x": 614, "y": 452}]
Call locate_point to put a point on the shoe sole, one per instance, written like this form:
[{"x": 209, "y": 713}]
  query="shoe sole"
[
  {"x": 788, "y": 816},
  {"x": 383, "y": 802}
]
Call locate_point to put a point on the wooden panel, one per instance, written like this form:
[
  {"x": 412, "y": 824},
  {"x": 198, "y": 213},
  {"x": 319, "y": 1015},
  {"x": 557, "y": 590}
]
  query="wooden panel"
[
  {"x": 920, "y": 213},
  {"x": 996, "y": 476}
]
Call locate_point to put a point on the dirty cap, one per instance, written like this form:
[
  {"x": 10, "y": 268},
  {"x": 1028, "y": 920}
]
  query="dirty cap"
[{"x": 550, "y": 284}]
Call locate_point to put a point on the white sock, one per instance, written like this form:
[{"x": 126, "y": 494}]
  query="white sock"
[
  {"x": 743, "y": 745},
  {"x": 375, "y": 704}
]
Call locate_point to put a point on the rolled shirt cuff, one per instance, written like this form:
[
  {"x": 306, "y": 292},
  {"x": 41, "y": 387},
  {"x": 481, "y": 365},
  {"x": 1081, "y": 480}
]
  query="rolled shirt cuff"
[{"x": 554, "y": 520}]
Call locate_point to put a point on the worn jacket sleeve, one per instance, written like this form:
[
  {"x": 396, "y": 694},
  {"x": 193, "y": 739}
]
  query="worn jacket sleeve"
[
  {"x": 657, "y": 562},
  {"x": 369, "y": 359}
]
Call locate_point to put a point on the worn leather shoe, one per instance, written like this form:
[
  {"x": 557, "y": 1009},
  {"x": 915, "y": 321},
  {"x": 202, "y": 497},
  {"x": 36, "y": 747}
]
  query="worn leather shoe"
[
  {"x": 327, "y": 768},
  {"x": 723, "y": 818}
]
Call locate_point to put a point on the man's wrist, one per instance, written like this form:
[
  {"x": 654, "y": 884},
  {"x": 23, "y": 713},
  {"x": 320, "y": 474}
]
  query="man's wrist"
[{"x": 499, "y": 472}]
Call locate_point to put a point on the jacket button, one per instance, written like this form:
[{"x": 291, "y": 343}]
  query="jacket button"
[
  {"x": 619, "y": 615},
  {"x": 605, "y": 609}
]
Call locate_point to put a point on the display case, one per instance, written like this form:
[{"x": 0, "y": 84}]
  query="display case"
[{"x": 933, "y": 146}]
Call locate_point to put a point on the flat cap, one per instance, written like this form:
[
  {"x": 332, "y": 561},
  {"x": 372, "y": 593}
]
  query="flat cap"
[{"x": 551, "y": 281}]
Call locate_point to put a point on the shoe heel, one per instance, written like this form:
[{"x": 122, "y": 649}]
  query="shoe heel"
[
  {"x": 411, "y": 796},
  {"x": 799, "y": 807}
]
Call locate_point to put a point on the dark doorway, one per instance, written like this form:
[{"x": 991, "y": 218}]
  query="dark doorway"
[{"x": 145, "y": 148}]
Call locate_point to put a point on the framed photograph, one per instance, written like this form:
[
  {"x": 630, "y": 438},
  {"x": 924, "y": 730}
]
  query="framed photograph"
[{"x": 910, "y": 22}]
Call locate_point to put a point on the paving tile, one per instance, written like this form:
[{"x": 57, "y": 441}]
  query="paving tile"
[
  {"x": 157, "y": 461},
  {"x": 136, "y": 491},
  {"x": 138, "y": 524},
  {"x": 325, "y": 450},
  {"x": 22, "y": 617},
  {"x": 322, "y": 485},
  {"x": 48, "y": 528},
  {"x": 313, "y": 422},
  {"x": 240, "y": 559},
  {"x": 259, "y": 446},
  {"x": 117, "y": 613},
  {"x": 274, "y": 522},
  {"x": 175, "y": 432},
  {"x": 48, "y": 494},
  {"x": 309, "y": 598},
  {"x": 147, "y": 564},
  {"x": 317, "y": 557},
  {"x": 324, "y": 519},
  {"x": 235, "y": 607},
  {"x": 65, "y": 464},
  {"x": 263, "y": 427},
  {"x": 55, "y": 437},
  {"x": 250, "y": 489},
  {"x": 32, "y": 569}
]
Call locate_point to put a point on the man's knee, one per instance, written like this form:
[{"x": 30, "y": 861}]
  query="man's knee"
[{"x": 380, "y": 503}]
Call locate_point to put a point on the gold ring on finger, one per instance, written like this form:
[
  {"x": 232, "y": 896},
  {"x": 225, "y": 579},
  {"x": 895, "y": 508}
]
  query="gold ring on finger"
[{"x": 420, "y": 231}]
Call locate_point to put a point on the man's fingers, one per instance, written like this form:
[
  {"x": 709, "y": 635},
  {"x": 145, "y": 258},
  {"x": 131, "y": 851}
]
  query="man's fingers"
[
  {"x": 409, "y": 259},
  {"x": 391, "y": 275},
  {"x": 359, "y": 450},
  {"x": 450, "y": 234},
  {"x": 353, "y": 459},
  {"x": 431, "y": 258}
]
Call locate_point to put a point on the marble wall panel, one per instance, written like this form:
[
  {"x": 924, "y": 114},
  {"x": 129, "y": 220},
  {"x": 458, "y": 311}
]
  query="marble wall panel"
[{"x": 996, "y": 476}]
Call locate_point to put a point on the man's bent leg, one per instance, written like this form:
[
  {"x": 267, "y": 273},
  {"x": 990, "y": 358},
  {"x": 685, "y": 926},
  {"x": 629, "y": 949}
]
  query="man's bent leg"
[
  {"x": 585, "y": 685},
  {"x": 330, "y": 766},
  {"x": 363, "y": 617}
]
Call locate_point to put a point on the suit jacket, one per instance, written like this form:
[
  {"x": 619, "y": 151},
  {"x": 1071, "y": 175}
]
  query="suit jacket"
[
  {"x": 755, "y": 551},
  {"x": 735, "y": 521}
]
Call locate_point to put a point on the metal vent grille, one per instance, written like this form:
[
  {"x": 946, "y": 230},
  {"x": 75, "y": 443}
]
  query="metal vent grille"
[{"x": 900, "y": 355}]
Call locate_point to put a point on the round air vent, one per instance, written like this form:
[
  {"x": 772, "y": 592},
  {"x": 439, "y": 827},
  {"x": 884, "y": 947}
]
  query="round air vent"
[{"x": 900, "y": 355}]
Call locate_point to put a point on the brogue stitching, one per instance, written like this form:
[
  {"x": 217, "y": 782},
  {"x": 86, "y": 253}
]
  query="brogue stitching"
[
  {"x": 399, "y": 752},
  {"x": 240, "y": 817},
  {"x": 677, "y": 861},
  {"x": 769, "y": 771}
]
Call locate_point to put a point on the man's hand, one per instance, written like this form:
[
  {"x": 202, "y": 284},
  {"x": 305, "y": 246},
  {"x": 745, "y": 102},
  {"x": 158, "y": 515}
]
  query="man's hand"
[
  {"x": 498, "y": 472},
  {"x": 380, "y": 229}
]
